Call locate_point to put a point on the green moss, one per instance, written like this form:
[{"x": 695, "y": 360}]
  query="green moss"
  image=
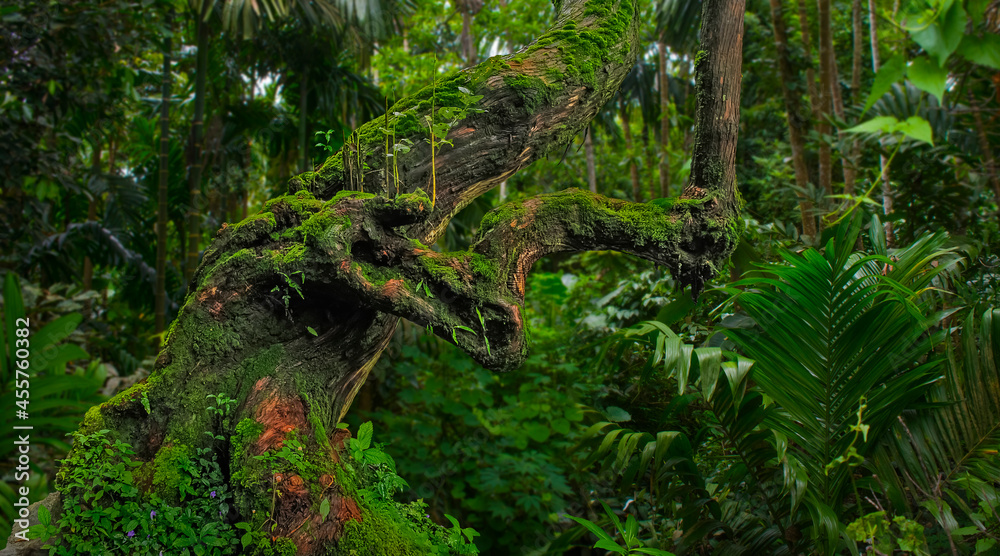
[
  {"x": 302, "y": 202},
  {"x": 167, "y": 470},
  {"x": 126, "y": 397},
  {"x": 283, "y": 546},
  {"x": 93, "y": 421},
  {"x": 289, "y": 255},
  {"x": 247, "y": 432},
  {"x": 485, "y": 268},
  {"x": 315, "y": 225},
  {"x": 375, "y": 535}
]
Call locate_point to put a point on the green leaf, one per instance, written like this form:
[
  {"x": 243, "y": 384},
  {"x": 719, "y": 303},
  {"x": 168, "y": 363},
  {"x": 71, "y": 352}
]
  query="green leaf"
[
  {"x": 610, "y": 545},
  {"x": 365, "y": 435},
  {"x": 916, "y": 128},
  {"x": 246, "y": 539},
  {"x": 881, "y": 123},
  {"x": 593, "y": 528},
  {"x": 312, "y": 331},
  {"x": 538, "y": 432},
  {"x": 928, "y": 76},
  {"x": 941, "y": 36},
  {"x": 890, "y": 72},
  {"x": 984, "y": 50},
  {"x": 44, "y": 516},
  {"x": 324, "y": 509},
  {"x": 617, "y": 414}
]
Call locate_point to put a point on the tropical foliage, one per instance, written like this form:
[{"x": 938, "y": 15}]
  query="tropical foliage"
[{"x": 833, "y": 392}]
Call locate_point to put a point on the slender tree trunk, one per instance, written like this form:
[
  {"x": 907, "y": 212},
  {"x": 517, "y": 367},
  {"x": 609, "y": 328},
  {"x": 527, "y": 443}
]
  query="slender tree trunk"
[
  {"x": 161, "y": 193},
  {"x": 588, "y": 148},
  {"x": 291, "y": 308},
  {"x": 468, "y": 46},
  {"x": 810, "y": 72},
  {"x": 632, "y": 169},
  {"x": 883, "y": 162},
  {"x": 648, "y": 150},
  {"x": 95, "y": 168},
  {"x": 855, "y": 145},
  {"x": 796, "y": 121},
  {"x": 825, "y": 97},
  {"x": 664, "y": 122},
  {"x": 195, "y": 154},
  {"x": 846, "y": 163},
  {"x": 304, "y": 165},
  {"x": 989, "y": 162}
]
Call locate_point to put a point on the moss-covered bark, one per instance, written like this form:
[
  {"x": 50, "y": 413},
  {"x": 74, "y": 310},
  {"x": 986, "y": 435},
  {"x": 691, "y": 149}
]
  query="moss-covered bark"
[{"x": 290, "y": 308}]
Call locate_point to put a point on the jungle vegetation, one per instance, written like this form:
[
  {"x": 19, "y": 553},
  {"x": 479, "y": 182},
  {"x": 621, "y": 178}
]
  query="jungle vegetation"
[{"x": 485, "y": 276}]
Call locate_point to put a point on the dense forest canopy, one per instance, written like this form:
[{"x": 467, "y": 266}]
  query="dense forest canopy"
[{"x": 248, "y": 236}]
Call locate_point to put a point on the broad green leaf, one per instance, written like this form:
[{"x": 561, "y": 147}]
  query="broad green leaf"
[
  {"x": 324, "y": 508},
  {"x": 916, "y": 128},
  {"x": 365, "y": 435},
  {"x": 617, "y": 414},
  {"x": 940, "y": 36},
  {"x": 977, "y": 9},
  {"x": 709, "y": 366},
  {"x": 984, "y": 50},
  {"x": 928, "y": 76},
  {"x": 892, "y": 71},
  {"x": 881, "y": 123},
  {"x": 538, "y": 431}
]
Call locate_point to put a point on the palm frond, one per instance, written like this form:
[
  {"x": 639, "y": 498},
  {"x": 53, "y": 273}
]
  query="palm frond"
[
  {"x": 837, "y": 339},
  {"x": 947, "y": 455}
]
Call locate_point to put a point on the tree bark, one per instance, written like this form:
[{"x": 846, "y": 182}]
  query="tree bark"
[
  {"x": 195, "y": 154},
  {"x": 855, "y": 146},
  {"x": 825, "y": 97},
  {"x": 95, "y": 169},
  {"x": 883, "y": 162},
  {"x": 588, "y": 148},
  {"x": 304, "y": 165},
  {"x": 291, "y": 308},
  {"x": 807, "y": 47},
  {"x": 633, "y": 170},
  {"x": 664, "y": 122},
  {"x": 797, "y": 123},
  {"x": 161, "y": 205}
]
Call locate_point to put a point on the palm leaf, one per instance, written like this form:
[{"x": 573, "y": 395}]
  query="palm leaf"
[
  {"x": 937, "y": 455},
  {"x": 834, "y": 334}
]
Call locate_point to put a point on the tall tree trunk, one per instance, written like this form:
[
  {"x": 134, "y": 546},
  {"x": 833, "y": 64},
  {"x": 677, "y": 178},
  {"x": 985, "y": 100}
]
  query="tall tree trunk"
[
  {"x": 649, "y": 151},
  {"x": 664, "y": 121},
  {"x": 304, "y": 165},
  {"x": 855, "y": 145},
  {"x": 588, "y": 151},
  {"x": 95, "y": 169},
  {"x": 161, "y": 191},
  {"x": 825, "y": 96},
  {"x": 796, "y": 121},
  {"x": 989, "y": 162},
  {"x": 468, "y": 46},
  {"x": 195, "y": 154},
  {"x": 846, "y": 162},
  {"x": 291, "y": 308},
  {"x": 883, "y": 163},
  {"x": 633, "y": 170},
  {"x": 807, "y": 47}
]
